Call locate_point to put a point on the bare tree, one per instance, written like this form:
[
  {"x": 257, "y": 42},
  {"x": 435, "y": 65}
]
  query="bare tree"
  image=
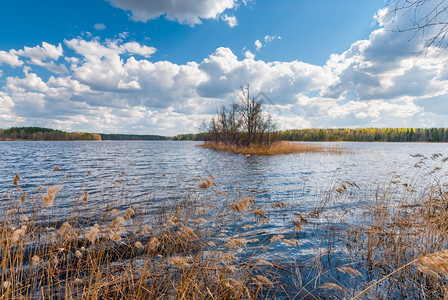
[
  {"x": 427, "y": 17},
  {"x": 258, "y": 128},
  {"x": 243, "y": 123}
]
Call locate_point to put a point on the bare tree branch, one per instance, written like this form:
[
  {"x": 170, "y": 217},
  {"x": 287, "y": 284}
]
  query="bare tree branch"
[
  {"x": 427, "y": 18},
  {"x": 243, "y": 123}
]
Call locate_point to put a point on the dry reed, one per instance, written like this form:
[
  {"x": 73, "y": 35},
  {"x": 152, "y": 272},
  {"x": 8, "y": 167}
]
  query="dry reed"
[
  {"x": 405, "y": 226},
  {"x": 277, "y": 148},
  {"x": 94, "y": 252},
  {"x": 191, "y": 249},
  {"x": 49, "y": 196},
  {"x": 434, "y": 264}
]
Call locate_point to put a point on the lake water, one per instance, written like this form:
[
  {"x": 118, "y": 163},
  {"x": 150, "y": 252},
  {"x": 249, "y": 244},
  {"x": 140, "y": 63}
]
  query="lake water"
[
  {"x": 165, "y": 169},
  {"x": 290, "y": 178}
]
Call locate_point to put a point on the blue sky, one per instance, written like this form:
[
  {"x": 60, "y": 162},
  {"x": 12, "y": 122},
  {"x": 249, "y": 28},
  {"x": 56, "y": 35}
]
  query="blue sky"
[{"x": 159, "y": 67}]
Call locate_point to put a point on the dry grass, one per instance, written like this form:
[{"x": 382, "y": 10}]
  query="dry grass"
[
  {"x": 403, "y": 239},
  {"x": 99, "y": 252},
  {"x": 191, "y": 249},
  {"x": 282, "y": 147}
]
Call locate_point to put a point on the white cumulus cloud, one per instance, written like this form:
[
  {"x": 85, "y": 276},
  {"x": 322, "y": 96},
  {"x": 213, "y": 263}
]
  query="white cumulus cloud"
[
  {"x": 183, "y": 11},
  {"x": 267, "y": 39},
  {"x": 38, "y": 53},
  {"x": 115, "y": 86},
  {"x": 31, "y": 82},
  {"x": 136, "y": 48},
  {"x": 9, "y": 58},
  {"x": 249, "y": 54},
  {"x": 230, "y": 20},
  {"x": 282, "y": 81},
  {"x": 43, "y": 56},
  {"x": 258, "y": 45}
]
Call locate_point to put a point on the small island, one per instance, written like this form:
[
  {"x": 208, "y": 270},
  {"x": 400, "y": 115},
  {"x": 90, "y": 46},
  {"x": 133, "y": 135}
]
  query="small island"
[{"x": 244, "y": 128}]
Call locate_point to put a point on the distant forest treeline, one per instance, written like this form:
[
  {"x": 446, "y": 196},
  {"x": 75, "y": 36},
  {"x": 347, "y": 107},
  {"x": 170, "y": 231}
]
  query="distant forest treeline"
[
  {"x": 132, "y": 137},
  {"x": 312, "y": 135},
  {"x": 189, "y": 137},
  {"x": 45, "y": 134},
  {"x": 48, "y": 134},
  {"x": 368, "y": 135}
]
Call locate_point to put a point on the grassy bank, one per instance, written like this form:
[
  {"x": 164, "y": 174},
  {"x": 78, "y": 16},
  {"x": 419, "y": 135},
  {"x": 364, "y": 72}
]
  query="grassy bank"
[
  {"x": 206, "y": 244},
  {"x": 277, "y": 148}
]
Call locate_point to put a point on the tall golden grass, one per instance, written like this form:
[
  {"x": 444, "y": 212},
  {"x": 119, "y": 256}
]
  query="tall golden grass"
[
  {"x": 402, "y": 240},
  {"x": 111, "y": 253},
  {"x": 191, "y": 248},
  {"x": 277, "y": 148}
]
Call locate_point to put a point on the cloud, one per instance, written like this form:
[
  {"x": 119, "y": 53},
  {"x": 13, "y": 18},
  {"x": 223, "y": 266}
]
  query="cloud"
[
  {"x": 258, "y": 45},
  {"x": 270, "y": 38},
  {"x": 123, "y": 35},
  {"x": 31, "y": 82},
  {"x": 108, "y": 92},
  {"x": 267, "y": 39},
  {"x": 99, "y": 26},
  {"x": 7, "y": 117},
  {"x": 104, "y": 70},
  {"x": 249, "y": 55},
  {"x": 104, "y": 81},
  {"x": 136, "y": 48},
  {"x": 425, "y": 20},
  {"x": 44, "y": 56},
  {"x": 183, "y": 11},
  {"x": 293, "y": 122},
  {"x": 282, "y": 81},
  {"x": 115, "y": 86},
  {"x": 38, "y": 53},
  {"x": 381, "y": 16},
  {"x": 231, "y": 20},
  {"x": 94, "y": 49},
  {"x": 386, "y": 67},
  {"x": 9, "y": 58}
]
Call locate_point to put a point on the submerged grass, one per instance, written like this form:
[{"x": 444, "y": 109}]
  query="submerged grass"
[
  {"x": 277, "y": 148},
  {"x": 197, "y": 246}
]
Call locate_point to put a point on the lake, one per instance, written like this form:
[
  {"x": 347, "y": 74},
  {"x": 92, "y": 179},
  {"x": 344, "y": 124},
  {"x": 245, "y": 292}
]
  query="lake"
[
  {"x": 170, "y": 165},
  {"x": 336, "y": 185},
  {"x": 278, "y": 177}
]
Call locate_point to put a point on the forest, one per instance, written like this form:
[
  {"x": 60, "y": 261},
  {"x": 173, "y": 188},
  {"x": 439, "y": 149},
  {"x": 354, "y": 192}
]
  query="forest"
[
  {"x": 351, "y": 135},
  {"x": 132, "y": 137},
  {"x": 367, "y": 135},
  {"x": 45, "y": 134},
  {"x": 189, "y": 137},
  {"x": 305, "y": 135}
]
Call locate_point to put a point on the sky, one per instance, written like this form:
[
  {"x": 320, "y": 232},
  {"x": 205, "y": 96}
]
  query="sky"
[{"x": 164, "y": 67}]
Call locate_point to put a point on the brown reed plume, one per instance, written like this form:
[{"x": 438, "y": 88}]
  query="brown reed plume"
[
  {"x": 434, "y": 264},
  {"x": 211, "y": 244},
  {"x": 49, "y": 196},
  {"x": 111, "y": 252}
]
